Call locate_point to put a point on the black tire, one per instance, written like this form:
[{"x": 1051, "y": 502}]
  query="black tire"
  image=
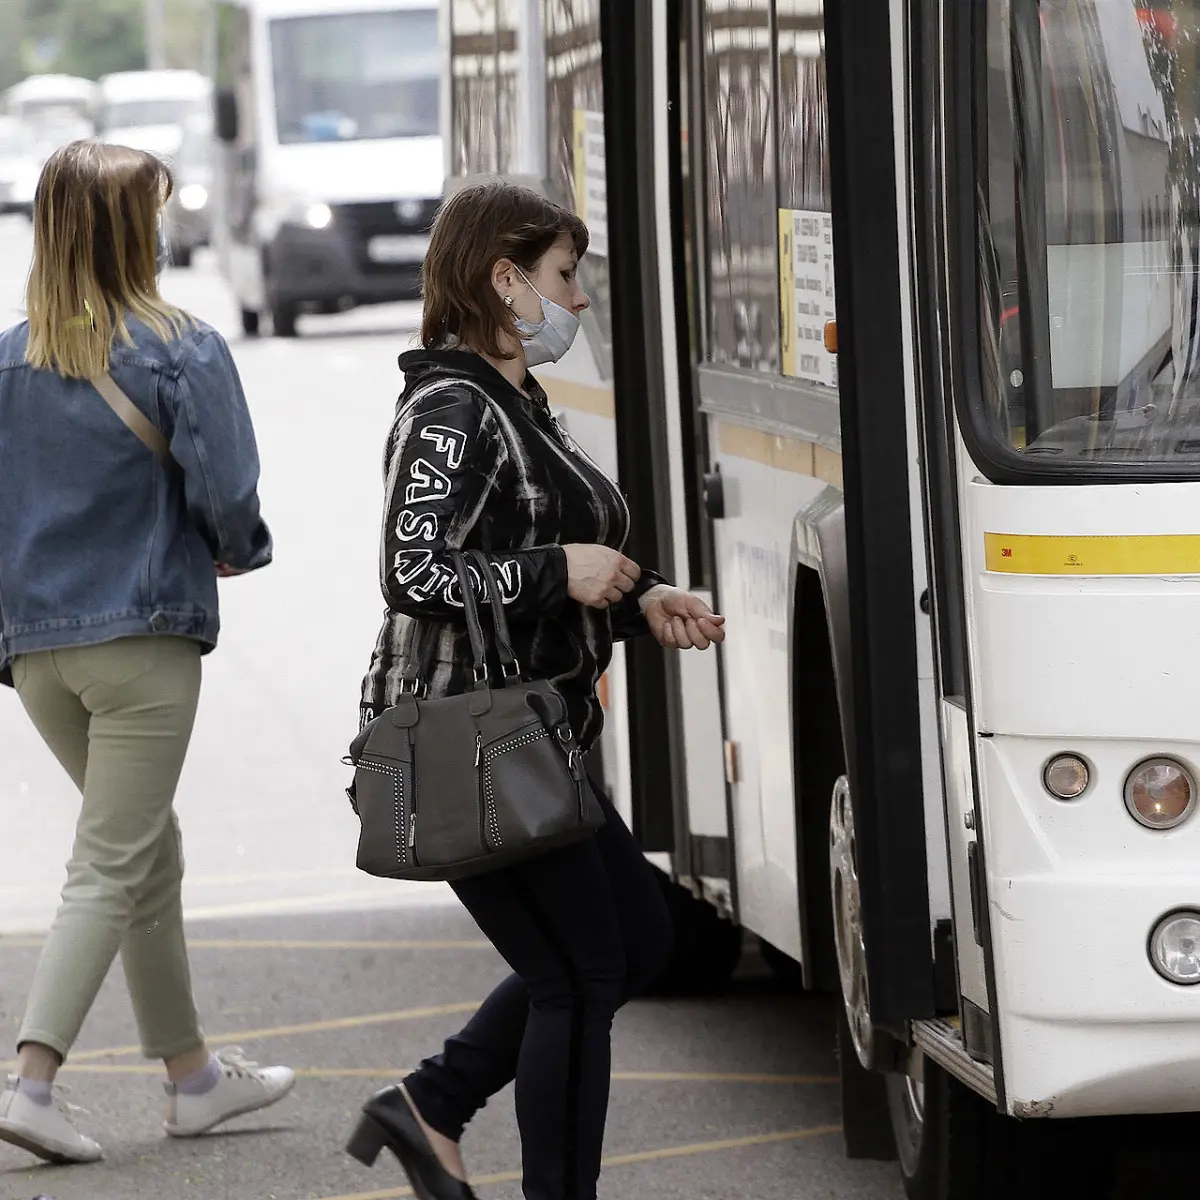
[
  {"x": 283, "y": 319},
  {"x": 866, "y": 1125},
  {"x": 964, "y": 1149},
  {"x": 707, "y": 948},
  {"x": 250, "y": 322},
  {"x": 181, "y": 256}
]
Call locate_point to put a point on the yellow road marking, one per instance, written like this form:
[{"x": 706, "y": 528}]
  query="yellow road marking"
[
  {"x": 1038, "y": 554},
  {"x": 400, "y": 1072},
  {"x": 274, "y": 1031},
  {"x": 291, "y": 944},
  {"x": 625, "y": 1160}
]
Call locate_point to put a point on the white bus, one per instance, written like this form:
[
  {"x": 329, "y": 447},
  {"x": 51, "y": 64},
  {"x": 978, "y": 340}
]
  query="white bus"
[
  {"x": 894, "y": 350},
  {"x": 330, "y": 167}
]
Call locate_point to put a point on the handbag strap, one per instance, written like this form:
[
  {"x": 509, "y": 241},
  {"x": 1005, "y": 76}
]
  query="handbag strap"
[
  {"x": 471, "y": 611},
  {"x": 508, "y": 659},
  {"x": 132, "y": 417}
]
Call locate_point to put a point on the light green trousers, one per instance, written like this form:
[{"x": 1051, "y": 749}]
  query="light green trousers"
[{"x": 118, "y": 716}]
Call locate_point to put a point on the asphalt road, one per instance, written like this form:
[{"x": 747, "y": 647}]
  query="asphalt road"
[{"x": 301, "y": 959}]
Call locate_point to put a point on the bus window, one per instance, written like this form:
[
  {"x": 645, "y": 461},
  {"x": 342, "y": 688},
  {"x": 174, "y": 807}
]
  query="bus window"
[
  {"x": 575, "y": 149},
  {"x": 743, "y": 218},
  {"x": 1090, "y": 306},
  {"x": 806, "y": 224},
  {"x": 483, "y": 86}
]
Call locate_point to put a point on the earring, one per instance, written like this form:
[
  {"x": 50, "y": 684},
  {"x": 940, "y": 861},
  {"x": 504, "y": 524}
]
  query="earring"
[{"x": 508, "y": 302}]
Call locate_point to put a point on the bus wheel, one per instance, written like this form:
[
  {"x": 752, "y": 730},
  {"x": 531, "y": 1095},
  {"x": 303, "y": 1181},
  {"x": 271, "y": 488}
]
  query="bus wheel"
[
  {"x": 953, "y": 1145},
  {"x": 707, "y": 948},
  {"x": 250, "y": 322},
  {"x": 849, "y": 938}
]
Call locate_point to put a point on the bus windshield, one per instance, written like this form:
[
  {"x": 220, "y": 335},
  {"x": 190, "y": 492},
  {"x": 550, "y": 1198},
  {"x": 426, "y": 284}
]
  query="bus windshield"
[
  {"x": 1090, "y": 233},
  {"x": 362, "y": 75}
]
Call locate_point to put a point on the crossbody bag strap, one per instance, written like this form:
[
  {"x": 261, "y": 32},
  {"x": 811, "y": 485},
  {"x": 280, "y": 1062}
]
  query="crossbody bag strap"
[{"x": 133, "y": 418}]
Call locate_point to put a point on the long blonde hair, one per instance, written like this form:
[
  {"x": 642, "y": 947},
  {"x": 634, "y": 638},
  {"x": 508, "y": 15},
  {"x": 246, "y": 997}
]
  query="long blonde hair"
[{"x": 95, "y": 246}]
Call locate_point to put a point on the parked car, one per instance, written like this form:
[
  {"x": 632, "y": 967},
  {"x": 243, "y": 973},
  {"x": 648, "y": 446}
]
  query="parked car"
[{"x": 17, "y": 164}]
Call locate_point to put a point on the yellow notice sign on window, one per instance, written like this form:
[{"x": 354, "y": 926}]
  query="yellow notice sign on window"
[
  {"x": 591, "y": 180},
  {"x": 806, "y": 299}
]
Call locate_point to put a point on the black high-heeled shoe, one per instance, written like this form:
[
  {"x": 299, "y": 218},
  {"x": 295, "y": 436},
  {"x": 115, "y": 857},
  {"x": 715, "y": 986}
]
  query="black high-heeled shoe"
[{"x": 388, "y": 1120}]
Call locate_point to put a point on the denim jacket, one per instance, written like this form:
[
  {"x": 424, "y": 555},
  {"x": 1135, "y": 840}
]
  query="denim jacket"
[{"x": 99, "y": 539}]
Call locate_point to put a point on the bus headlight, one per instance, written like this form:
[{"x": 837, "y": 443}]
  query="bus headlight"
[
  {"x": 1066, "y": 776},
  {"x": 1175, "y": 947},
  {"x": 1159, "y": 793}
]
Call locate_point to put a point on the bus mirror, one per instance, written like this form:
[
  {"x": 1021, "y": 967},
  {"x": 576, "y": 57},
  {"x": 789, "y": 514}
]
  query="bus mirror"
[{"x": 226, "y": 115}]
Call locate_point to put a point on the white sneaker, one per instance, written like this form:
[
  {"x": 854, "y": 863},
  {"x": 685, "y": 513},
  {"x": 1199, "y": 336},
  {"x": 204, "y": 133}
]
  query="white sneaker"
[
  {"x": 43, "y": 1129},
  {"x": 244, "y": 1087}
]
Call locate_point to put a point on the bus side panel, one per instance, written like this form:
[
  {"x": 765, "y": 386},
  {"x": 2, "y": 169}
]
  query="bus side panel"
[{"x": 768, "y": 480}]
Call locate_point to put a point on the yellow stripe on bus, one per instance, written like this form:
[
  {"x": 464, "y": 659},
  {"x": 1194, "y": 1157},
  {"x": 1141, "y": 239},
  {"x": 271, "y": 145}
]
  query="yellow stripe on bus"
[{"x": 1039, "y": 554}]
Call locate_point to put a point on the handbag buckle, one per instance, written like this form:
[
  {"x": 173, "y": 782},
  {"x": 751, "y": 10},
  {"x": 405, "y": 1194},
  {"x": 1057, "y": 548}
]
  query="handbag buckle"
[
  {"x": 515, "y": 672},
  {"x": 480, "y": 675},
  {"x": 413, "y": 687}
]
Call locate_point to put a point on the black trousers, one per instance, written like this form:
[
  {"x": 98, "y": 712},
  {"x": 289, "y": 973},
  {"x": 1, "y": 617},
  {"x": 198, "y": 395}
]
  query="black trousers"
[{"x": 584, "y": 929}]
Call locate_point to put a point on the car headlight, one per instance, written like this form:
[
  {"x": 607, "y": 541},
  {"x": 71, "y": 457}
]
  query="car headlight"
[
  {"x": 318, "y": 216},
  {"x": 193, "y": 197},
  {"x": 1175, "y": 947},
  {"x": 1160, "y": 793}
]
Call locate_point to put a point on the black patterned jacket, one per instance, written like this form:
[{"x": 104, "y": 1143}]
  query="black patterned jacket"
[{"x": 472, "y": 464}]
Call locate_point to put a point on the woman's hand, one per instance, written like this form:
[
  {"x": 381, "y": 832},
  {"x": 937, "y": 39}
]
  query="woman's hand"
[
  {"x": 598, "y": 575},
  {"x": 679, "y": 620},
  {"x": 227, "y": 572}
]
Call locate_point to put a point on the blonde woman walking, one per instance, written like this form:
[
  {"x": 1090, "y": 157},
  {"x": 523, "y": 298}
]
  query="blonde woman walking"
[{"x": 128, "y": 483}]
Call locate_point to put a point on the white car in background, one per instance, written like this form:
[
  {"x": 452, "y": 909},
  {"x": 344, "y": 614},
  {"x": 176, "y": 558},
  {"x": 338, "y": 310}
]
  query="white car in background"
[
  {"x": 169, "y": 114},
  {"x": 18, "y": 165}
]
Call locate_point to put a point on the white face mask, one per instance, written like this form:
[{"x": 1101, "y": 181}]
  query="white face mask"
[{"x": 549, "y": 339}]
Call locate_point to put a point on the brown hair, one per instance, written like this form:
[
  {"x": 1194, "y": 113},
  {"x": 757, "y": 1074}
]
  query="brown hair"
[
  {"x": 474, "y": 229},
  {"x": 95, "y": 246}
]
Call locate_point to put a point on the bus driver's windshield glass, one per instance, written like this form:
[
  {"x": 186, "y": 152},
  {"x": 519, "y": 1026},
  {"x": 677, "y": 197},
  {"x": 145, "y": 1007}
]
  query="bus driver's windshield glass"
[
  {"x": 1090, "y": 231},
  {"x": 361, "y": 75}
]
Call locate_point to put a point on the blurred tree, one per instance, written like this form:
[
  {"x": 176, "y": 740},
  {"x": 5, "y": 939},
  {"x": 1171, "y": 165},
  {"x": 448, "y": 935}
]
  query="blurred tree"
[
  {"x": 186, "y": 32},
  {"x": 92, "y": 36},
  {"x": 12, "y": 34}
]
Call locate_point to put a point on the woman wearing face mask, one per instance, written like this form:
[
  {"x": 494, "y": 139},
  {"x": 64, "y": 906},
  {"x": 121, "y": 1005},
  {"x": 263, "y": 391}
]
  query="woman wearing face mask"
[
  {"x": 476, "y": 461},
  {"x": 129, "y": 483}
]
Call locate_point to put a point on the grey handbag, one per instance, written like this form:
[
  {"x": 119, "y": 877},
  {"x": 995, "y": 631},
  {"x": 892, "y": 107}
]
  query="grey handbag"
[{"x": 454, "y": 786}]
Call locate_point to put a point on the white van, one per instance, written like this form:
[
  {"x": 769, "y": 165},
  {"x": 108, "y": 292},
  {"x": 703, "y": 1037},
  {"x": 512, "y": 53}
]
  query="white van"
[
  {"x": 331, "y": 165},
  {"x": 167, "y": 113}
]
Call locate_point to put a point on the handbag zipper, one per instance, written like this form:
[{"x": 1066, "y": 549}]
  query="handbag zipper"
[{"x": 480, "y": 802}]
